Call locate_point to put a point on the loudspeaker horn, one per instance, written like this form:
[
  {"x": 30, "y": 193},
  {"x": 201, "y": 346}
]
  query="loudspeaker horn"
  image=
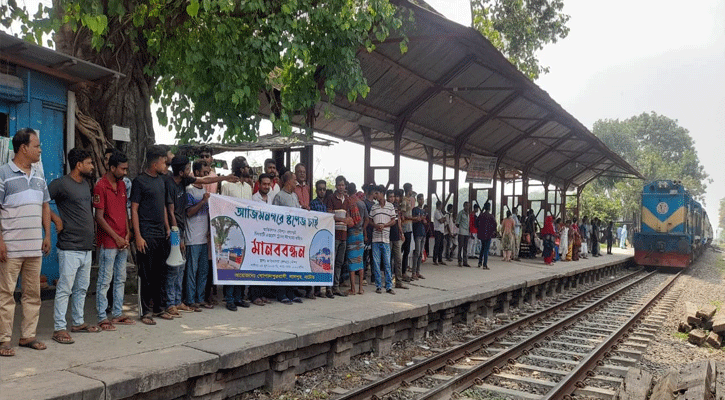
[{"x": 175, "y": 258}]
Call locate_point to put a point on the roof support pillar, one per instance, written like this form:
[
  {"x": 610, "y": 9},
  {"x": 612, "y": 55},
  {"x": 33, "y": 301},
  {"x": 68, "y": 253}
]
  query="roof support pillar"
[
  {"x": 456, "y": 176},
  {"x": 368, "y": 176},
  {"x": 563, "y": 205},
  {"x": 445, "y": 181},
  {"x": 502, "y": 175},
  {"x": 525, "y": 191},
  {"x": 431, "y": 182},
  {"x": 397, "y": 137}
]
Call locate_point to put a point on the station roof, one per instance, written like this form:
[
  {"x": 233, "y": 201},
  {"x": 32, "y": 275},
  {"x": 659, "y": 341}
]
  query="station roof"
[
  {"x": 454, "y": 91},
  {"x": 70, "y": 69}
]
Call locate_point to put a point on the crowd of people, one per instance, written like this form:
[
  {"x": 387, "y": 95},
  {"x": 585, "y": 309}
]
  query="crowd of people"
[{"x": 381, "y": 236}]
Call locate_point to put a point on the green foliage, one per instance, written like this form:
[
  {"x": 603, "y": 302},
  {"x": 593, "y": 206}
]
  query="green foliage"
[
  {"x": 721, "y": 215},
  {"x": 212, "y": 60},
  {"x": 222, "y": 226},
  {"x": 520, "y": 28},
  {"x": 659, "y": 148}
]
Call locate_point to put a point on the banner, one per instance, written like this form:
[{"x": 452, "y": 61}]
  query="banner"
[
  {"x": 260, "y": 244},
  {"x": 481, "y": 169}
]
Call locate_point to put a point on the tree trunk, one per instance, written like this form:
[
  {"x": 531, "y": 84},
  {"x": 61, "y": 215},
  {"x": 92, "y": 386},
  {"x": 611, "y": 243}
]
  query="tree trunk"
[{"x": 124, "y": 102}]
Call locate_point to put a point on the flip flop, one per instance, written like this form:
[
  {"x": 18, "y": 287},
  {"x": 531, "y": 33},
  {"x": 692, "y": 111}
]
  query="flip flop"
[
  {"x": 123, "y": 321},
  {"x": 63, "y": 337},
  {"x": 6, "y": 350},
  {"x": 106, "y": 325},
  {"x": 146, "y": 319},
  {"x": 85, "y": 328},
  {"x": 34, "y": 344},
  {"x": 165, "y": 315}
]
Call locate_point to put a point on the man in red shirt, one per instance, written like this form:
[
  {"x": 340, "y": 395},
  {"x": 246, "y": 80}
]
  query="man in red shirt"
[{"x": 113, "y": 235}]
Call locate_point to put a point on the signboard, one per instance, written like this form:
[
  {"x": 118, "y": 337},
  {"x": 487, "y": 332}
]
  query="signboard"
[
  {"x": 259, "y": 244},
  {"x": 481, "y": 169}
]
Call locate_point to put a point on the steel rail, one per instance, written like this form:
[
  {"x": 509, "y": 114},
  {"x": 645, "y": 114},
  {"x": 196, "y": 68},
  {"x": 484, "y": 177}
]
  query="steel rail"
[
  {"x": 495, "y": 363},
  {"x": 574, "y": 379},
  {"x": 404, "y": 376}
]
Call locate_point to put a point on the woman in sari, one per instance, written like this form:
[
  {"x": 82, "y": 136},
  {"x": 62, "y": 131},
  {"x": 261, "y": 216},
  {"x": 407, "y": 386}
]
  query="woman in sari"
[
  {"x": 507, "y": 236},
  {"x": 548, "y": 234},
  {"x": 576, "y": 241}
]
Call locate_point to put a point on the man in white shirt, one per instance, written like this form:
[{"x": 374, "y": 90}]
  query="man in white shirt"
[
  {"x": 264, "y": 183},
  {"x": 243, "y": 188}
]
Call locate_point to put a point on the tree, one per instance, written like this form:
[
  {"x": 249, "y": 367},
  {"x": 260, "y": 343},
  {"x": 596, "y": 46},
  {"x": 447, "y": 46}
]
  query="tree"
[
  {"x": 656, "y": 146},
  {"x": 520, "y": 28},
  {"x": 207, "y": 63},
  {"x": 222, "y": 226}
]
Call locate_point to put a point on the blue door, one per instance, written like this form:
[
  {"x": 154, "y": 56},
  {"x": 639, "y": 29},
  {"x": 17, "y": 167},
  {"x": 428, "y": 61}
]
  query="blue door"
[{"x": 53, "y": 145}]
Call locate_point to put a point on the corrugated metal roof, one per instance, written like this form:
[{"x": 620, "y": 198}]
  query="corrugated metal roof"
[
  {"x": 454, "y": 92},
  {"x": 68, "y": 68}
]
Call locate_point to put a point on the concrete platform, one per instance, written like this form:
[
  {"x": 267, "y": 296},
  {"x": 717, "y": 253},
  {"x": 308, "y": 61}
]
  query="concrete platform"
[{"x": 217, "y": 354}]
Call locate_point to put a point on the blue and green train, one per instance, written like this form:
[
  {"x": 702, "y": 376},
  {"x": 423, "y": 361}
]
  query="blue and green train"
[{"x": 674, "y": 228}]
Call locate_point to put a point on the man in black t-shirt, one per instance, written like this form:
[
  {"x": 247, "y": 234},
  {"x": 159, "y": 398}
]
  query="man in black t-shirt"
[
  {"x": 72, "y": 195},
  {"x": 151, "y": 227}
]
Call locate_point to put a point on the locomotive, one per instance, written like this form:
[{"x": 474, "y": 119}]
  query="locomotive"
[{"x": 674, "y": 228}]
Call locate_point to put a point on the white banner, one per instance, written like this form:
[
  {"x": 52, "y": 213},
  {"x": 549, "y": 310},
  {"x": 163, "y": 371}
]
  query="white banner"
[
  {"x": 260, "y": 244},
  {"x": 481, "y": 169}
]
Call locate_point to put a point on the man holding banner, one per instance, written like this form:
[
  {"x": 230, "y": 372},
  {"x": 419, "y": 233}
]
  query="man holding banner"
[{"x": 344, "y": 209}]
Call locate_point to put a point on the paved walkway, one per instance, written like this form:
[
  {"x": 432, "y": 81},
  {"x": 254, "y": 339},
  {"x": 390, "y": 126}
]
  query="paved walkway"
[{"x": 133, "y": 351}]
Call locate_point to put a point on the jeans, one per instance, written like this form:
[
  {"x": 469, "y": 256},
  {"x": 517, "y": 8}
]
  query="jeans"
[
  {"x": 340, "y": 247},
  {"x": 463, "y": 249},
  {"x": 111, "y": 267},
  {"x": 438, "y": 248},
  {"x": 75, "y": 276},
  {"x": 381, "y": 253},
  {"x": 197, "y": 270},
  {"x": 417, "y": 254},
  {"x": 152, "y": 270},
  {"x": 29, "y": 268},
  {"x": 406, "y": 250},
  {"x": 174, "y": 279},
  {"x": 484, "y": 252}
]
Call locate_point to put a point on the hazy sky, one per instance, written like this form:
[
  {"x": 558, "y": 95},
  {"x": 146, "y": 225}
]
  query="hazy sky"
[
  {"x": 625, "y": 57},
  {"x": 621, "y": 58}
]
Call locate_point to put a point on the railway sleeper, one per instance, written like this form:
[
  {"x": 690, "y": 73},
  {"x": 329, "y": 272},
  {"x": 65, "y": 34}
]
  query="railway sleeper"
[
  {"x": 612, "y": 369},
  {"x": 564, "y": 352},
  {"x": 535, "y": 368},
  {"x": 583, "y": 346},
  {"x": 542, "y": 384},
  {"x": 598, "y": 393},
  {"x": 507, "y": 393}
]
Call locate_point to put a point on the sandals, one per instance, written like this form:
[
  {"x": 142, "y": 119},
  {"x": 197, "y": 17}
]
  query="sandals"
[
  {"x": 34, "y": 344},
  {"x": 123, "y": 321},
  {"x": 208, "y": 306},
  {"x": 106, "y": 325},
  {"x": 85, "y": 328},
  {"x": 63, "y": 337},
  {"x": 258, "y": 302},
  {"x": 6, "y": 350},
  {"x": 165, "y": 315},
  {"x": 146, "y": 319}
]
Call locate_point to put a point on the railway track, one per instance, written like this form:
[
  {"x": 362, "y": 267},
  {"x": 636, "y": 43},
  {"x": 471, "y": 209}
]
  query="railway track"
[{"x": 554, "y": 353}]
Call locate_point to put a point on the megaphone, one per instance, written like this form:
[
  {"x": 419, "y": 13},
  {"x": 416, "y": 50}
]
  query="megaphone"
[{"x": 175, "y": 258}]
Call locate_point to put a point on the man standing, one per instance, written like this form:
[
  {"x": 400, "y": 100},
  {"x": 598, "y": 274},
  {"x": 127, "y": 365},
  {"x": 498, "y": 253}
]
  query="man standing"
[
  {"x": 462, "y": 222},
  {"x": 270, "y": 168},
  {"x": 419, "y": 234},
  {"x": 439, "y": 229},
  {"x": 197, "y": 234},
  {"x": 243, "y": 188},
  {"x": 234, "y": 294},
  {"x": 287, "y": 198},
  {"x": 151, "y": 226},
  {"x": 207, "y": 154},
  {"x": 406, "y": 209},
  {"x": 264, "y": 183},
  {"x": 396, "y": 240},
  {"x": 486, "y": 231},
  {"x": 382, "y": 216},
  {"x": 112, "y": 237},
  {"x": 24, "y": 217},
  {"x": 318, "y": 204},
  {"x": 301, "y": 189},
  {"x": 176, "y": 190},
  {"x": 342, "y": 206},
  {"x": 72, "y": 195}
]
